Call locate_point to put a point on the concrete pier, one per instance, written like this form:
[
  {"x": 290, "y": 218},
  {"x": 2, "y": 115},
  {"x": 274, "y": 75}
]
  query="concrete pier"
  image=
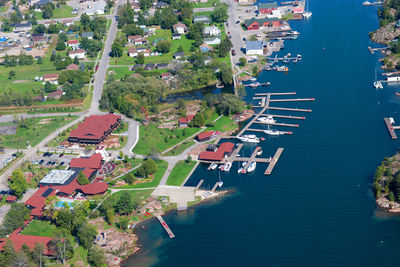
[
  {"x": 292, "y": 100},
  {"x": 215, "y": 187},
  {"x": 274, "y": 161},
  {"x": 286, "y": 117},
  {"x": 261, "y": 131},
  {"x": 199, "y": 184},
  {"x": 165, "y": 226},
  {"x": 291, "y": 109},
  {"x": 278, "y": 124},
  {"x": 251, "y": 159},
  {"x": 390, "y": 128}
]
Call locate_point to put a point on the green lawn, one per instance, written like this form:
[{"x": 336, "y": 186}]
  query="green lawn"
[
  {"x": 210, "y": 3},
  {"x": 179, "y": 149},
  {"x": 153, "y": 139},
  {"x": 39, "y": 228},
  {"x": 204, "y": 13},
  {"x": 224, "y": 124},
  {"x": 162, "y": 167},
  {"x": 180, "y": 172},
  {"x": 65, "y": 11},
  {"x": 37, "y": 130},
  {"x": 137, "y": 195},
  {"x": 122, "y": 128},
  {"x": 118, "y": 72}
]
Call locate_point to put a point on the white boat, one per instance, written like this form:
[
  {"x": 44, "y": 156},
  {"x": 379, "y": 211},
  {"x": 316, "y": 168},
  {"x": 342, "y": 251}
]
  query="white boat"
[
  {"x": 299, "y": 57},
  {"x": 213, "y": 166},
  {"x": 249, "y": 139},
  {"x": 259, "y": 152},
  {"x": 366, "y": 3},
  {"x": 378, "y": 85},
  {"x": 253, "y": 79},
  {"x": 307, "y": 14},
  {"x": 252, "y": 167},
  {"x": 244, "y": 163},
  {"x": 220, "y": 183},
  {"x": 282, "y": 68},
  {"x": 227, "y": 167},
  {"x": 268, "y": 120},
  {"x": 240, "y": 170},
  {"x": 272, "y": 132},
  {"x": 391, "y": 120},
  {"x": 295, "y": 32}
]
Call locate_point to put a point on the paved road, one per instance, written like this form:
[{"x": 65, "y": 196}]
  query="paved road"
[{"x": 203, "y": 9}]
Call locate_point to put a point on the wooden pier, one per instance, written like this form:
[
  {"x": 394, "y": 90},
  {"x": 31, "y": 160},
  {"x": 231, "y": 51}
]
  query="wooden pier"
[
  {"x": 286, "y": 117},
  {"x": 215, "y": 187},
  {"x": 251, "y": 159},
  {"x": 390, "y": 128},
  {"x": 291, "y": 109},
  {"x": 261, "y": 131},
  {"x": 292, "y": 100},
  {"x": 273, "y": 162},
  {"x": 272, "y": 94},
  {"x": 278, "y": 124},
  {"x": 199, "y": 184},
  {"x": 372, "y": 50},
  {"x": 166, "y": 228}
]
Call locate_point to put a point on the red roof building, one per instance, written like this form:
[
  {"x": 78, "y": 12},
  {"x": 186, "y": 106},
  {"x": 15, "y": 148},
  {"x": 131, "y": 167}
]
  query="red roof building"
[
  {"x": 72, "y": 67},
  {"x": 19, "y": 240},
  {"x": 49, "y": 77},
  {"x": 72, "y": 42},
  {"x": 89, "y": 165},
  {"x": 11, "y": 199},
  {"x": 225, "y": 149},
  {"x": 204, "y": 136},
  {"x": 94, "y": 188},
  {"x": 184, "y": 121},
  {"x": 94, "y": 129}
]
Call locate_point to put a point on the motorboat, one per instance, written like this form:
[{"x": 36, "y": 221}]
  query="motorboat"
[
  {"x": 220, "y": 184},
  {"x": 267, "y": 120},
  {"x": 213, "y": 166},
  {"x": 240, "y": 169},
  {"x": 259, "y": 152},
  {"x": 252, "y": 167},
  {"x": 272, "y": 132},
  {"x": 249, "y": 139},
  {"x": 391, "y": 120},
  {"x": 295, "y": 32},
  {"x": 227, "y": 167},
  {"x": 397, "y": 93},
  {"x": 253, "y": 79},
  {"x": 307, "y": 14},
  {"x": 282, "y": 68},
  {"x": 244, "y": 163},
  {"x": 299, "y": 57},
  {"x": 257, "y": 84},
  {"x": 366, "y": 3},
  {"x": 378, "y": 85}
]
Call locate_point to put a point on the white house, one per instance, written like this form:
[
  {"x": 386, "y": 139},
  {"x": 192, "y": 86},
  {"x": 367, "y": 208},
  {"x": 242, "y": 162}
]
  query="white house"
[
  {"x": 68, "y": 22},
  {"x": 212, "y": 31},
  {"x": 73, "y": 44},
  {"x": 96, "y": 8},
  {"x": 179, "y": 28},
  {"x": 132, "y": 52},
  {"x": 254, "y": 48},
  {"x": 176, "y": 36},
  {"x": 80, "y": 54},
  {"x": 212, "y": 40}
]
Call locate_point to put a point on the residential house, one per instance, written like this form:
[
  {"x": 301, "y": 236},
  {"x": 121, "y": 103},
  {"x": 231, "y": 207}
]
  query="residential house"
[
  {"x": 214, "y": 40},
  {"x": 137, "y": 66},
  {"x": 23, "y": 27},
  {"x": 150, "y": 66},
  {"x": 161, "y": 5},
  {"x": 48, "y": 23},
  {"x": 132, "y": 52},
  {"x": 39, "y": 39},
  {"x": 56, "y": 94},
  {"x": 135, "y": 7},
  {"x": 179, "y": 28},
  {"x": 67, "y": 22},
  {"x": 254, "y": 48},
  {"x": 166, "y": 76},
  {"x": 179, "y": 55},
  {"x": 161, "y": 66},
  {"x": 211, "y": 31},
  {"x": 201, "y": 19},
  {"x": 184, "y": 121},
  {"x": 88, "y": 35},
  {"x": 96, "y": 8},
  {"x": 205, "y": 48},
  {"x": 137, "y": 39},
  {"x": 11, "y": 199},
  {"x": 50, "y": 77},
  {"x": 147, "y": 32},
  {"x": 79, "y": 53},
  {"x": 143, "y": 50},
  {"x": 266, "y": 8},
  {"x": 259, "y": 24},
  {"x": 72, "y": 67},
  {"x": 73, "y": 44},
  {"x": 176, "y": 36}
]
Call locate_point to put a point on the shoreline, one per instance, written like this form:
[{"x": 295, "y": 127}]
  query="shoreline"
[{"x": 138, "y": 247}]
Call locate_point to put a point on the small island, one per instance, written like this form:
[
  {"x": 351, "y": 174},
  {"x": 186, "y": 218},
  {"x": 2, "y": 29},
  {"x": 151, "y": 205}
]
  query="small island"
[{"x": 387, "y": 184}]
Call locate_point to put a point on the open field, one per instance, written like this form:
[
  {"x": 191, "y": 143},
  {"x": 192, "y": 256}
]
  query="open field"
[
  {"x": 179, "y": 149},
  {"x": 179, "y": 172},
  {"x": 39, "y": 228}
]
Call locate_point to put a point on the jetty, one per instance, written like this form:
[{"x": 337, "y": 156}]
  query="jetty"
[
  {"x": 165, "y": 226},
  {"x": 391, "y": 128},
  {"x": 372, "y": 50},
  {"x": 273, "y": 162},
  {"x": 367, "y": 3},
  {"x": 287, "y": 117},
  {"x": 278, "y": 124},
  {"x": 261, "y": 131}
]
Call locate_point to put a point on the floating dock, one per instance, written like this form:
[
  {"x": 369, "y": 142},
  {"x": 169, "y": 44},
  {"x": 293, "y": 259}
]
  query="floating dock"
[
  {"x": 390, "y": 128},
  {"x": 372, "y": 50},
  {"x": 165, "y": 226},
  {"x": 278, "y": 124},
  {"x": 273, "y": 162},
  {"x": 292, "y": 100},
  {"x": 291, "y": 109},
  {"x": 251, "y": 159},
  {"x": 260, "y": 130},
  {"x": 286, "y": 117}
]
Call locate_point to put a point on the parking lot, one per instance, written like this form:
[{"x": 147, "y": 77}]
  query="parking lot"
[
  {"x": 52, "y": 160},
  {"x": 6, "y": 157}
]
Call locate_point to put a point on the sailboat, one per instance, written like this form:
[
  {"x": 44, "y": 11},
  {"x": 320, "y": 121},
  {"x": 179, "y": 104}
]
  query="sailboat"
[
  {"x": 220, "y": 183},
  {"x": 377, "y": 84},
  {"x": 307, "y": 14}
]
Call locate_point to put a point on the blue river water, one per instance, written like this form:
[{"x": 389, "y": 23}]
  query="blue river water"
[{"x": 317, "y": 208}]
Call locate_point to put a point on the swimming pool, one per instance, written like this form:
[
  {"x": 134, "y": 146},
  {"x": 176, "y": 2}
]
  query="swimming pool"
[{"x": 70, "y": 204}]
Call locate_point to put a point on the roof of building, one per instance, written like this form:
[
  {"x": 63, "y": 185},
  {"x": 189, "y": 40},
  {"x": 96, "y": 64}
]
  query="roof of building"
[
  {"x": 132, "y": 50},
  {"x": 201, "y": 17},
  {"x": 134, "y": 37},
  {"x": 29, "y": 240},
  {"x": 179, "y": 54},
  {"x": 212, "y": 38},
  {"x": 23, "y": 24},
  {"x": 50, "y": 76},
  {"x": 11, "y": 198},
  {"x": 94, "y": 188},
  {"x": 254, "y": 45},
  {"x": 72, "y": 67},
  {"x": 57, "y": 177},
  {"x": 39, "y": 38},
  {"x": 186, "y": 119},
  {"x": 259, "y": 21},
  {"x": 203, "y": 135},
  {"x": 210, "y": 28},
  {"x": 204, "y": 45},
  {"x": 267, "y": 5},
  {"x": 95, "y": 126},
  {"x": 179, "y": 25},
  {"x": 219, "y": 154},
  {"x": 37, "y": 200},
  {"x": 72, "y": 42},
  {"x": 94, "y": 162},
  {"x": 87, "y": 34},
  {"x": 57, "y": 93},
  {"x": 78, "y": 51}
]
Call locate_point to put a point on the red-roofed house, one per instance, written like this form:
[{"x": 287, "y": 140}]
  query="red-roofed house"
[
  {"x": 94, "y": 188},
  {"x": 74, "y": 44},
  {"x": 19, "y": 240},
  {"x": 94, "y": 129},
  {"x": 11, "y": 199},
  {"x": 50, "y": 77},
  {"x": 184, "y": 121},
  {"x": 204, "y": 136},
  {"x": 79, "y": 53},
  {"x": 72, "y": 67},
  {"x": 89, "y": 165},
  {"x": 225, "y": 149},
  {"x": 56, "y": 94},
  {"x": 179, "y": 28},
  {"x": 137, "y": 39}
]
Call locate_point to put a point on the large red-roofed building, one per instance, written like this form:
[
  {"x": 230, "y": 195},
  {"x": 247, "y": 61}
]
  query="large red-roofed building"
[
  {"x": 225, "y": 149},
  {"x": 95, "y": 129},
  {"x": 89, "y": 165},
  {"x": 30, "y": 240}
]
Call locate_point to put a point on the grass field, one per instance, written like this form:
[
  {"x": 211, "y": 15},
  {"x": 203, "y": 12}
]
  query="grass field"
[
  {"x": 180, "y": 172},
  {"x": 65, "y": 11},
  {"x": 39, "y": 129},
  {"x": 153, "y": 139},
  {"x": 39, "y": 228},
  {"x": 162, "y": 167},
  {"x": 209, "y": 3},
  {"x": 224, "y": 124},
  {"x": 179, "y": 149},
  {"x": 137, "y": 195},
  {"x": 118, "y": 72}
]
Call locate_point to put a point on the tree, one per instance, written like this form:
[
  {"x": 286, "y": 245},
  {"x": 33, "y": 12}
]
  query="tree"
[
  {"x": 47, "y": 11},
  {"x": 86, "y": 234},
  {"x": 85, "y": 19},
  {"x": 140, "y": 59},
  {"x": 391, "y": 196},
  {"x": 132, "y": 29},
  {"x": 242, "y": 61},
  {"x": 14, "y": 218},
  {"x": 60, "y": 45},
  {"x": 64, "y": 218},
  {"x": 125, "y": 204},
  {"x": 62, "y": 246},
  {"x": 198, "y": 120},
  {"x": 37, "y": 254},
  {"x": 123, "y": 223},
  {"x": 11, "y": 74},
  {"x": 53, "y": 55},
  {"x": 96, "y": 257},
  {"x": 225, "y": 74},
  {"x": 164, "y": 46},
  {"x": 76, "y": 61},
  {"x": 180, "y": 104},
  {"x": 129, "y": 178},
  {"x": 116, "y": 49},
  {"x": 180, "y": 49},
  {"x": 220, "y": 13},
  {"x": 148, "y": 167},
  {"x": 82, "y": 179},
  {"x": 18, "y": 183},
  {"x": 39, "y": 61},
  {"x": 48, "y": 87}
]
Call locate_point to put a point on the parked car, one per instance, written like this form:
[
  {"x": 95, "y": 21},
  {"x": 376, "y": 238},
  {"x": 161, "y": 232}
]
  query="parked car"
[
  {"x": 233, "y": 52},
  {"x": 61, "y": 155},
  {"x": 238, "y": 21}
]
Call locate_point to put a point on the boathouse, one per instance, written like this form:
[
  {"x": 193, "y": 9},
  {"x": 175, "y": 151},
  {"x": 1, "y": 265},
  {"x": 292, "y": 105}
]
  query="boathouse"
[
  {"x": 257, "y": 24},
  {"x": 266, "y": 8},
  {"x": 224, "y": 150}
]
